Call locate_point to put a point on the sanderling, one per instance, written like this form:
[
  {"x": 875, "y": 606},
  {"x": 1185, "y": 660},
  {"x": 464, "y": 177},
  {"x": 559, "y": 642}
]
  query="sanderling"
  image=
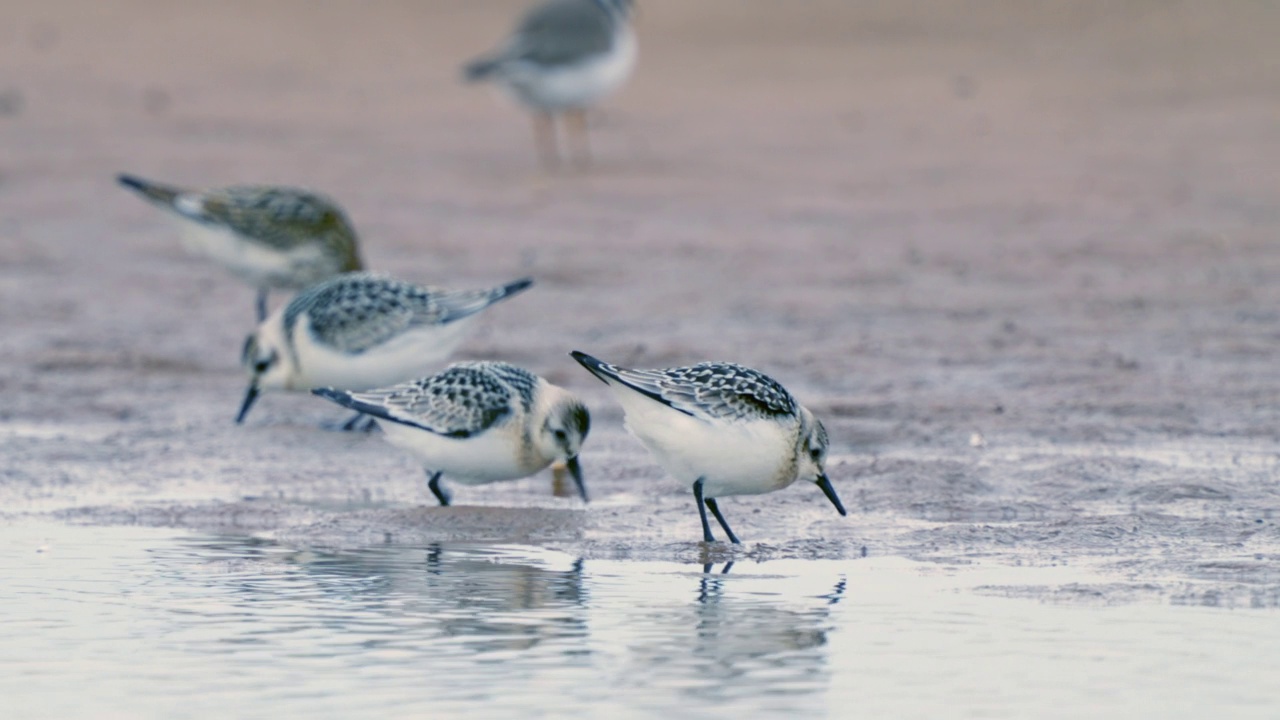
[
  {"x": 270, "y": 237},
  {"x": 360, "y": 331},
  {"x": 725, "y": 428},
  {"x": 478, "y": 422},
  {"x": 563, "y": 57}
]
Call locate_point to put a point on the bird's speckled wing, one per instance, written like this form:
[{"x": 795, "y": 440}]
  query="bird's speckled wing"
[
  {"x": 521, "y": 381},
  {"x": 712, "y": 390},
  {"x": 277, "y": 217},
  {"x": 462, "y": 401},
  {"x": 355, "y": 312}
]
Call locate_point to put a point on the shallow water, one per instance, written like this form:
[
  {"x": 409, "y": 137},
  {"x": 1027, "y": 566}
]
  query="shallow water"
[{"x": 133, "y": 622}]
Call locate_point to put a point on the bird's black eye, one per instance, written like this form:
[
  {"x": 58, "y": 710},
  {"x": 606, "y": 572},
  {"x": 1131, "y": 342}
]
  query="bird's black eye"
[
  {"x": 561, "y": 435},
  {"x": 261, "y": 366}
]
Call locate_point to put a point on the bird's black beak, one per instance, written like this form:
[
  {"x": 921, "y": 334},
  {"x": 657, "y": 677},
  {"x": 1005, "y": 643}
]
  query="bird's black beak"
[
  {"x": 250, "y": 395},
  {"x": 575, "y": 469},
  {"x": 830, "y": 492}
]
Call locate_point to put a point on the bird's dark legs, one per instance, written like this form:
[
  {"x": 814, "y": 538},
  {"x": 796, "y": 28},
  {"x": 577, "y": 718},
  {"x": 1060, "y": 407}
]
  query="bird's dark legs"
[
  {"x": 544, "y": 136},
  {"x": 715, "y": 510},
  {"x": 575, "y": 127},
  {"x": 434, "y": 485},
  {"x": 702, "y": 512},
  {"x": 262, "y": 304}
]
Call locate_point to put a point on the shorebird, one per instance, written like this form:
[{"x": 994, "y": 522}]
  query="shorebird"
[
  {"x": 360, "y": 331},
  {"x": 270, "y": 237},
  {"x": 478, "y": 422},
  {"x": 724, "y": 428},
  {"x": 564, "y": 56}
]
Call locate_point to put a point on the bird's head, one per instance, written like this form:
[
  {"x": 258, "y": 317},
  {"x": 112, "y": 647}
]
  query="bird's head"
[
  {"x": 563, "y": 430},
  {"x": 267, "y": 363},
  {"x": 812, "y": 457}
]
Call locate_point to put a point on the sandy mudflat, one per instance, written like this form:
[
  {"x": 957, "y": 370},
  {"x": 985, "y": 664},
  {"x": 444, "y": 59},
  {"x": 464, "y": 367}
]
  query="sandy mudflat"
[{"x": 1023, "y": 258}]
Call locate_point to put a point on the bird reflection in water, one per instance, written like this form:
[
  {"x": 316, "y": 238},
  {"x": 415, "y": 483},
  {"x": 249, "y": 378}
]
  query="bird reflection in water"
[
  {"x": 485, "y": 598},
  {"x": 741, "y": 632},
  {"x": 718, "y": 635}
]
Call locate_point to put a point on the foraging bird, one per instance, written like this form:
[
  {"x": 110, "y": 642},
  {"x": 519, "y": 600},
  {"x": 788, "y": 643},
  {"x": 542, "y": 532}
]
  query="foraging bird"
[
  {"x": 478, "y": 422},
  {"x": 563, "y": 57},
  {"x": 270, "y": 237},
  {"x": 724, "y": 428},
  {"x": 360, "y": 331}
]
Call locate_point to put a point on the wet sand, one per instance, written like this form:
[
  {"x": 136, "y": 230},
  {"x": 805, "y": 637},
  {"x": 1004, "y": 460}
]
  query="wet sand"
[{"x": 1022, "y": 262}]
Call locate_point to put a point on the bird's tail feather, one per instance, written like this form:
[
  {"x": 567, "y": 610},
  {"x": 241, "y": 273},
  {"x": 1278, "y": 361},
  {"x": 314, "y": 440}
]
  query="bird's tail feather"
[
  {"x": 480, "y": 69},
  {"x": 157, "y": 193},
  {"x": 645, "y": 382},
  {"x": 349, "y": 400},
  {"x": 469, "y": 302},
  {"x": 601, "y": 369}
]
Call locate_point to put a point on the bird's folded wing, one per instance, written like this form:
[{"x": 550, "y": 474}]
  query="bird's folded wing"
[
  {"x": 438, "y": 307},
  {"x": 459, "y": 402},
  {"x": 561, "y": 33},
  {"x": 712, "y": 391},
  {"x": 278, "y": 218}
]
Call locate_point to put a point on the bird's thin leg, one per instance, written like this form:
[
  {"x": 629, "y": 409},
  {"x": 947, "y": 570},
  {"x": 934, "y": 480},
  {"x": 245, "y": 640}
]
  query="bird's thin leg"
[
  {"x": 262, "y": 304},
  {"x": 434, "y": 485},
  {"x": 544, "y": 136},
  {"x": 702, "y": 512},
  {"x": 575, "y": 127},
  {"x": 715, "y": 510}
]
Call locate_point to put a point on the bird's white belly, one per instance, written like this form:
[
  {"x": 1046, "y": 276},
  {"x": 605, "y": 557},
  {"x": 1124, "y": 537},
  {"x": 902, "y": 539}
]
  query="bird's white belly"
[
  {"x": 415, "y": 354},
  {"x": 489, "y": 457},
  {"x": 739, "y": 458},
  {"x": 253, "y": 263},
  {"x": 579, "y": 85}
]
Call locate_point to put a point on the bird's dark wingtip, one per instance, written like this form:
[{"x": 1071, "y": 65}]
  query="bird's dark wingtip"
[
  {"x": 157, "y": 193},
  {"x": 347, "y": 400},
  {"x": 477, "y": 70},
  {"x": 516, "y": 286},
  {"x": 596, "y": 367},
  {"x": 132, "y": 182},
  {"x": 339, "y": 396}
]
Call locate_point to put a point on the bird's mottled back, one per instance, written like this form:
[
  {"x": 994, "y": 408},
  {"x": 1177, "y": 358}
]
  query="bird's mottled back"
[
  {"x": 711, "y": 389},
  {"x": 358, "y": 311},
  {"x": 727, "y": 390},
  {"x": 523, "y": 382},
  {"x": 563, "y": 32},
  {"x": 463, "y": 400},
  {"x": 458, "y": 402},
  {"x": 278, "y": 217}
]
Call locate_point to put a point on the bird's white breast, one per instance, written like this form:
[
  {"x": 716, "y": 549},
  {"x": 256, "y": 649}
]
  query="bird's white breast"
[
  {"x": 252, "y": 262},
  {"x": 733, "y": 458},
  {"x": 491, "y": 456},
  {"x": 578, "y": 85},
  {"x": 412, "y": 355}
]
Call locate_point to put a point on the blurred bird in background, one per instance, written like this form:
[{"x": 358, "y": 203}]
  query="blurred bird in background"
[
  {"x": 564, "y": 56},
  {"x": 270, "y": 237}
]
